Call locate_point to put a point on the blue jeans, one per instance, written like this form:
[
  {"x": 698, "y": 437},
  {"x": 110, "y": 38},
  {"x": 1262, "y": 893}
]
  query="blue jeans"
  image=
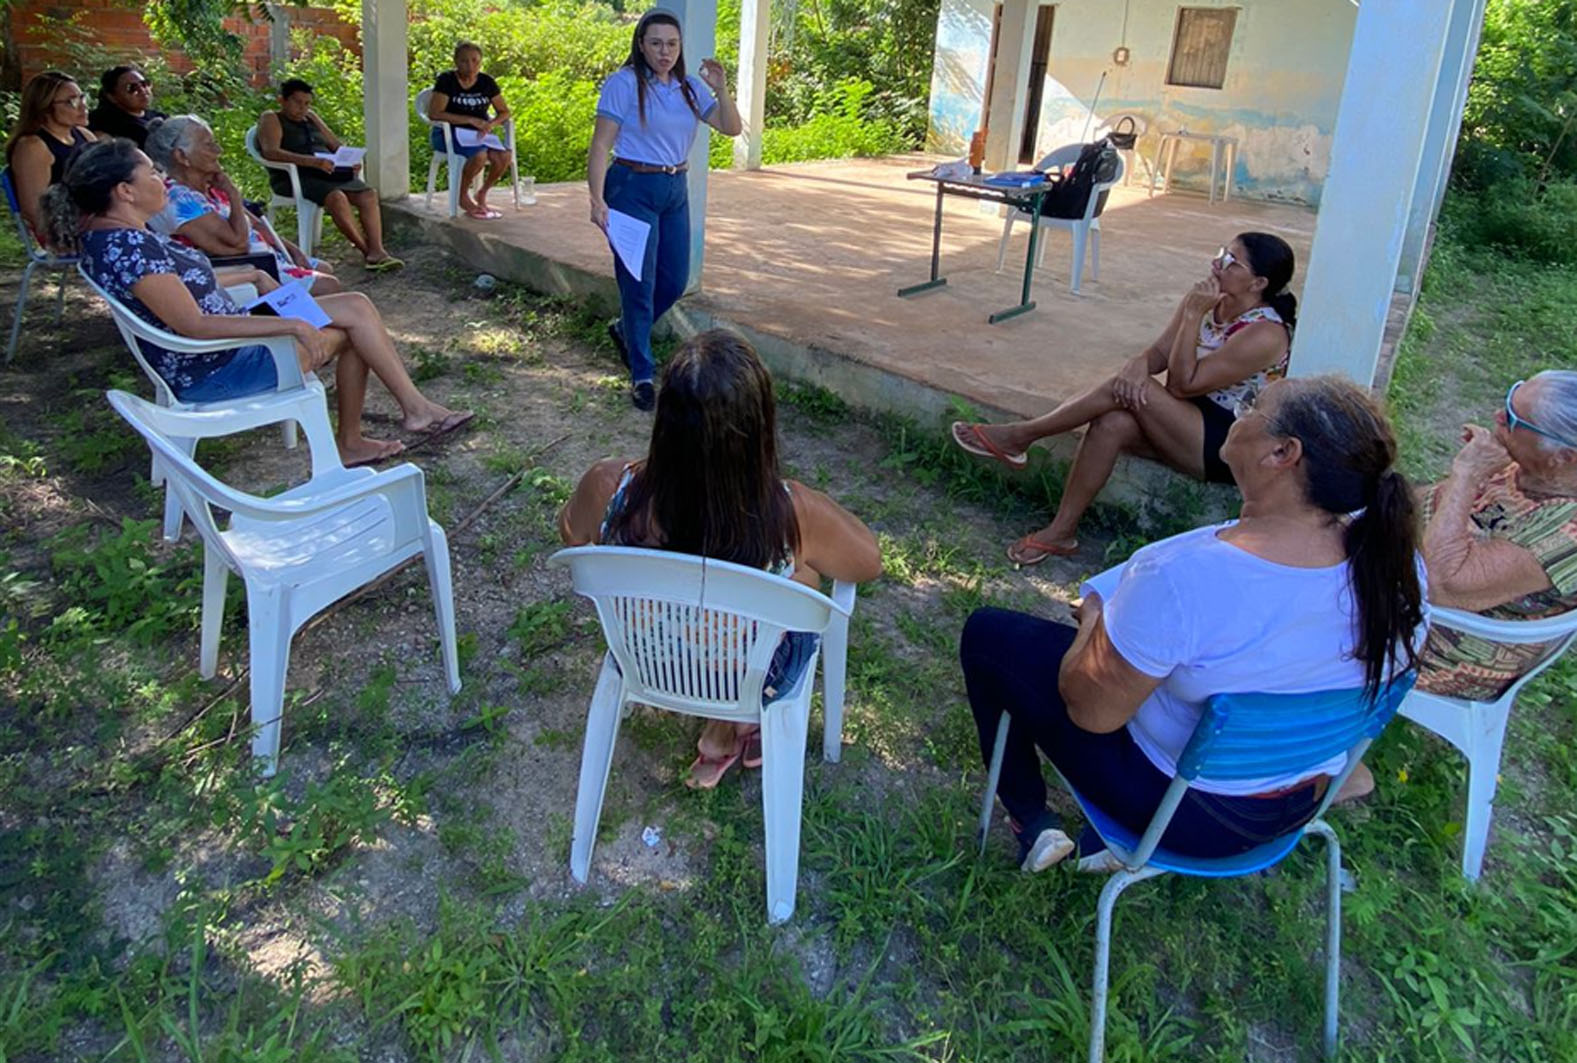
[
  {"x": 663, "y": 202},
  {"x": 250, "y": 372}
]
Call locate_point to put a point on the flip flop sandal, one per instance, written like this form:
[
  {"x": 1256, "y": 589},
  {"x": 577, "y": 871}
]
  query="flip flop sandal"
[
  {"x": 384, "y": 264},
  {"x": 398, "y": 450},
  {"x": 970, "y": 438},
  {"x": 1027, "y": 551},
  {"x": 752, "y": 757},
  {"x": 485, "y": 214},
  {"x": 706, "y": 772}
]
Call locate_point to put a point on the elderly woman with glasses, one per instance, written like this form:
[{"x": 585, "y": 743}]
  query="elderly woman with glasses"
[
  {"x": 1229, "y": 337},
  {"x": 51, "y": 127}
]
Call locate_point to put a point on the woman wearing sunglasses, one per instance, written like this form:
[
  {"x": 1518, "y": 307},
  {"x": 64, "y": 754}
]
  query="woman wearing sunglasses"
[
  {"x": 1228, "y": 339},
  {"x": 51, "y": 127}
]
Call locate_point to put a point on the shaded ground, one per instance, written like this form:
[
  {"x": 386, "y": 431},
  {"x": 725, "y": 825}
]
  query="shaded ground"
[{"x": 401, "y": 891}]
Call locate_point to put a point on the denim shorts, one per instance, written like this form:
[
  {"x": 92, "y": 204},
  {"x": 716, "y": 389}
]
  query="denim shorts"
[
  {"x": 249, "y": 371},
  {"x": 788, "y": 664}
]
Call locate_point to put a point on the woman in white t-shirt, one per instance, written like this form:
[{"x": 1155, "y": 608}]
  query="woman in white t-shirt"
[
  {"x": 1229, "y": 337},
  {"x": 1294, "y": 596}
]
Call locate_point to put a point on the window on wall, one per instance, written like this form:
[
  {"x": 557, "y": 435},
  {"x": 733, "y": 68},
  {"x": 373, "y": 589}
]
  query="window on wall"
[{"x": 1201, "y": 46}]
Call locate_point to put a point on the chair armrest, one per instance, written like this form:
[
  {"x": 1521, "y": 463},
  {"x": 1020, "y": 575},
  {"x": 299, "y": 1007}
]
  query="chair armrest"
[
  {"x": 1511, "y": 632},
  {"x": 843, "y": 596},
  {"x": 402, "y": 486}
]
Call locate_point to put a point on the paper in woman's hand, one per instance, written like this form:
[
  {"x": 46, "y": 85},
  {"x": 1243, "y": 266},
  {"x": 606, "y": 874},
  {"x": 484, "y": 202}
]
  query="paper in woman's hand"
[
  {"x": 627, "y": 236},
  {"x": 467, "y": 137},
  {"x": 290, "y": 300},
  {"x": 345, "y": 156}
]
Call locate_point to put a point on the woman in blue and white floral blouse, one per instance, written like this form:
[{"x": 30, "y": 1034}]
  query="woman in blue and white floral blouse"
[{"x": 102, "y": 208}]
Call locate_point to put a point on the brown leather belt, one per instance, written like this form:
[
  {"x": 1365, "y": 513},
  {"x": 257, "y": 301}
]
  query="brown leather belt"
[
  {"x": 1318, "y": 784},
  {"x": 646, "y": 167}
]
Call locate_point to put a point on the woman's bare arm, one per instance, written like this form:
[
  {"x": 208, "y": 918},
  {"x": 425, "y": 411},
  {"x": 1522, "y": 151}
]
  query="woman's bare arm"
[
  {"x": 580, "y": 520},
  {"x": 832, "y": 541},
  {"x": 1101, "y": 689}
]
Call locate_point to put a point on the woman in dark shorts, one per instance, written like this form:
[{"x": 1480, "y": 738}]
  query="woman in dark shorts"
[
  {"x": 296, "y": 134},
  {"x": 1228, "y": 339},
  {"x": 467, "y": 98}
]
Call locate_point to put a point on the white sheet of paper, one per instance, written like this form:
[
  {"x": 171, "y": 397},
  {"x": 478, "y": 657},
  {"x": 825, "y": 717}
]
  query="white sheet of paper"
[
  {"x": 1103, "y": 583},
  {"x": 627, "y": 236},
  {"x": 467, "y": 137},
  {"x": 345, "y": 156},
  {"x": 293, "y": 300}
]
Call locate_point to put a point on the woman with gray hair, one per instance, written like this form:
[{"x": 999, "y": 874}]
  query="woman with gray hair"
[
  {"x": 205, "y": 209},
  {"x": 1500, "y": 539}
]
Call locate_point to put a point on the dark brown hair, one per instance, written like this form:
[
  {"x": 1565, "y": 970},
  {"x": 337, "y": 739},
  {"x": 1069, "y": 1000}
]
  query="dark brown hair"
[
  {"x": 1348, "y": 460},
  {"x": 637, "y": 62},
  {"x": 38, "y": 96},
  {"x": 1271, "y": 257},
  {"x": 711, "y": 484}
]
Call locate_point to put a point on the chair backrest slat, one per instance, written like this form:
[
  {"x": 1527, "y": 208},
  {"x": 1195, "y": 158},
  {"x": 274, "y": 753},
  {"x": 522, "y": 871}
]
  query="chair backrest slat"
[
  {"x": 1254, "y": 735},
  {"x": 688, "y": 629}
]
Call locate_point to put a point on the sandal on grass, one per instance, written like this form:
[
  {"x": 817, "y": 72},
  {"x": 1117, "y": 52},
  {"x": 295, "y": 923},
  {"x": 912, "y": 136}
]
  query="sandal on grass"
[
  {"x": 707, "y": 771},
  {"x": 1031, "y": 551},
  {"x": 753, "y": 749},
  {"x": 970, "y": 438}
]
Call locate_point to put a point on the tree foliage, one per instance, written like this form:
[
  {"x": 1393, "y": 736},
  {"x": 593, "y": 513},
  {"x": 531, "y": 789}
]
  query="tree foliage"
[{"x": 1521, "y": 117}]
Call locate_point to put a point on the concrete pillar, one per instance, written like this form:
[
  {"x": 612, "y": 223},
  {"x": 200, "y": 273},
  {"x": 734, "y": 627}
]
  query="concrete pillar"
[
  {"x": 278, "y": 36},
  {"x": 754, "y": 21},
  {"x": 698, "y": 22},
  {"x": 1440, "y": 144},
  {"x": 1376, "y": 151},
  {"x": 1009, "y": 85},
  {"x": 386, "y": 97}
]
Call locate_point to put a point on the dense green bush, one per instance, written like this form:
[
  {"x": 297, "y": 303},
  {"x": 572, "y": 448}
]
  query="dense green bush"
[
  {"x": 1521, "y": 116},
  {"x": 1519, "y": 219}
]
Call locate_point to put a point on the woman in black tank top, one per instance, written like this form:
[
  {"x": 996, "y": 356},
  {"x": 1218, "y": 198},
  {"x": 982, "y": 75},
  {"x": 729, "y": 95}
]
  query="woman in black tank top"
[{"x": 51, "y": 128}]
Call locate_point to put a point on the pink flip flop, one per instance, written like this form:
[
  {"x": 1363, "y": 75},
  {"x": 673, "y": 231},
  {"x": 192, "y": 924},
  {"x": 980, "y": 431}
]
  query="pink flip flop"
[
  {"x": 970, "y": 438},
  {"x": 485, "y": 214}
]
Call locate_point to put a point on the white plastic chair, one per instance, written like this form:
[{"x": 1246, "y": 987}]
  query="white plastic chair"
[
  {"x": 309, "y": 216},
  {"x": 456, "y": 161},
  {"x": 37, "y": 258},
  {"x": 297, "y": 552},
  {"x": 298, "y": 400},
  {"x": 696, "y": 636},
  {"x": 1238, "y": 737},
  {"x": 1086, "y": 231},
  {"x": 1478, "y": 728}
]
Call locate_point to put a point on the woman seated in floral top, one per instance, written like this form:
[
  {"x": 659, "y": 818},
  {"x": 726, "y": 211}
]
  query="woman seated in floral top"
[
  {"x": 1229, "y": 337},
  {"x": 204, "y": 207},
  {"x": 101, "y": 210}
]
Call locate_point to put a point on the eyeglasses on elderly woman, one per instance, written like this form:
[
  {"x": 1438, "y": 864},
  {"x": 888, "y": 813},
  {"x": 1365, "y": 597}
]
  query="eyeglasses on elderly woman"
[{"x": 1515, "y": 420}]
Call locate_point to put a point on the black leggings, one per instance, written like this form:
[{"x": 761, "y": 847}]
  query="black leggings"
[{"x": 1010, "y": 664}]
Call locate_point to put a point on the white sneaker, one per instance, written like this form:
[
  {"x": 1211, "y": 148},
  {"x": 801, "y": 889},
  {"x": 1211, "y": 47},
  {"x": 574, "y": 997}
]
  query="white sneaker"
[
  {"x": 1051, "y": 845},
  {"x": 1104, "y": 862}
]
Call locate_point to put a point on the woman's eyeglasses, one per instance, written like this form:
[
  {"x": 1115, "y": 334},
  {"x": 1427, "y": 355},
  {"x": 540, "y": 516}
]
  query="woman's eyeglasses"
[
  {"x": 1226, "y": 259},
  {"x": 71, "y": 101},
  {"x": 139, "y": 86},
  {"x": 1244, "y": 404},
  {"x": 1514, "y": 421}
]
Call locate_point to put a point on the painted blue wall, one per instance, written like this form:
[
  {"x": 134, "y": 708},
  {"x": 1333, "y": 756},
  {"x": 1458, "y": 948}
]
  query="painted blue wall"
[{"x": 1283, "y": 84}]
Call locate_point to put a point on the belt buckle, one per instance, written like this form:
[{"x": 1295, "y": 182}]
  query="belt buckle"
[{"x": 670, "y": 170}]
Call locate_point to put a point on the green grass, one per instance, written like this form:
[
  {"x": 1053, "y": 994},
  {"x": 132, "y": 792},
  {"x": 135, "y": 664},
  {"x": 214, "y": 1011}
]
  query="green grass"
[{"x": 127, "y": 788}]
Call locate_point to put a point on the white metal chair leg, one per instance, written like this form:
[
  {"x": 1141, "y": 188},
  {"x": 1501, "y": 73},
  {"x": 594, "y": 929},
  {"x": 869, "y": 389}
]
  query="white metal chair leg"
[
  {"x": 216, "y": 577},
  {"x": 596, "y": 757},
  {"x": 993, "y": 776},
  {"x": 456, "y": 170},
  {"x": 1333, "y": 932},
  {"x": 432, "y": 180},
  {"x": 174, "y": 515},
  {"x": 269, "y": 652},
  {"x": 1486, "y": 736},
  {"x": 440, "y": 584},
  {"x": 1095, "y": 250},
  {"x": 1119, "y": 881},
  {"x": 783, "y": 732}
]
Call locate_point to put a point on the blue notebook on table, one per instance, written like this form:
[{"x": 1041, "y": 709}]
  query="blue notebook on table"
[{"x": 1026, "y": 179}]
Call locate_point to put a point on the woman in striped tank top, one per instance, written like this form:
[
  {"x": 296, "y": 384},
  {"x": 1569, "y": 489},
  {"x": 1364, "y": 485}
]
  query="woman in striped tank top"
[{"x": 1229, "y": 337}]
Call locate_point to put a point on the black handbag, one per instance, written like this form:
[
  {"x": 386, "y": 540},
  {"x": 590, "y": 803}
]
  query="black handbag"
[{"x": 1124, "y": 139}]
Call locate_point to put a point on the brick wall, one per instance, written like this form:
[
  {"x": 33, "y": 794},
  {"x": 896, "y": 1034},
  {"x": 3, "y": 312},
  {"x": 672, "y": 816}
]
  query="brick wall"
[{"x": 119, "y": 29}]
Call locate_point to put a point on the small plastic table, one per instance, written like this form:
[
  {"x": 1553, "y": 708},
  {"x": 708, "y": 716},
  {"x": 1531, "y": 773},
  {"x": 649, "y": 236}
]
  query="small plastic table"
[{"x": 1166, "y": 155}]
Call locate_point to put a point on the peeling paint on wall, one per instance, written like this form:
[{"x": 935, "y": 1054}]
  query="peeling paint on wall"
[{"x": 1284, "y": 79}]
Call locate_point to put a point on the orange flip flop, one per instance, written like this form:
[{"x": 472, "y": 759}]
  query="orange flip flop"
[{"x": 970, "y": 438}]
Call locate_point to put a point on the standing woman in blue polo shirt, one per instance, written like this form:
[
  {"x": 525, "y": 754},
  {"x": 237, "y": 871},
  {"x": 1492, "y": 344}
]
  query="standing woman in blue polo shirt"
[{"x": 647, "y": 117}]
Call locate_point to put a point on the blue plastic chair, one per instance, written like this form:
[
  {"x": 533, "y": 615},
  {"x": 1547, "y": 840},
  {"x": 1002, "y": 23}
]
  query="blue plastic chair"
[
  {"x": 1239, "y": 736},
  {"x": 37, "y": 258}
]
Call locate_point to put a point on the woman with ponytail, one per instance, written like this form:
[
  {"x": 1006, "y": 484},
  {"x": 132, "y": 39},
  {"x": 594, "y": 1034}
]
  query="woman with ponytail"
[
  {"x": 101, "y": 210},
  {"x": 1229, "y": 337},
  {"x": 1317, "y": 586}
]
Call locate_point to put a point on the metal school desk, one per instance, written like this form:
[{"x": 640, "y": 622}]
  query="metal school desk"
[{"x": 975, "y": 187}]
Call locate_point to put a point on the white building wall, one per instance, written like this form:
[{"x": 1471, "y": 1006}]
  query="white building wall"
[{"x": 1283, "y": 82}]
